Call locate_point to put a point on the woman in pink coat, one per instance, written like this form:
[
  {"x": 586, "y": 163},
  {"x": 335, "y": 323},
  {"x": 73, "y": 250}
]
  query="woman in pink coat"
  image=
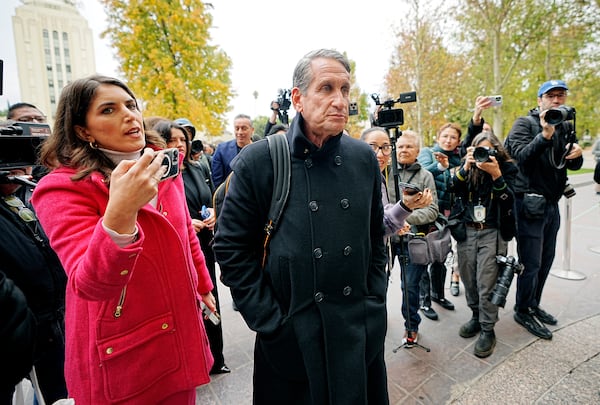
[{"x": 136, "y": 274}]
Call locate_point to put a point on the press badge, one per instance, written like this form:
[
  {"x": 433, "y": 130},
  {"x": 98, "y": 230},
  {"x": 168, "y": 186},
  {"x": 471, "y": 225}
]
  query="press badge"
[{"x": 479, "y": 213}]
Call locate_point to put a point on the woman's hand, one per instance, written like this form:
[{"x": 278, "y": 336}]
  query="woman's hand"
[
  {"x": 469, "y": 159},
  {"x": 133, "y": 183},
  {"x": 491, "y": 167},
  {"x": 404, "y": 230},
  {"x": 481, "y": 103},
  {"x": 442, "y": 159},
  {"x": 210, "y": 301}
]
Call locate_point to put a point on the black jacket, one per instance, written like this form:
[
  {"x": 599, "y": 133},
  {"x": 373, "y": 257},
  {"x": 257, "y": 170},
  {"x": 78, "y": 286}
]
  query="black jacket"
[
  {"x": 535, "y": 156},
  {"x": 17, "y": 335},
  {"x": 32, "y": 265},
  {"x": 319, "y": 303}
]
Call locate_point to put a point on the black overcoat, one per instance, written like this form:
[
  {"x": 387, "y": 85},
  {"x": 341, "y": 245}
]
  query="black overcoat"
[{"x": 319, "y": 304}]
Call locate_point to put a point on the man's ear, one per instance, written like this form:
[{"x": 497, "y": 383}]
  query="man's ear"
[{"x": 297, "y": 99}]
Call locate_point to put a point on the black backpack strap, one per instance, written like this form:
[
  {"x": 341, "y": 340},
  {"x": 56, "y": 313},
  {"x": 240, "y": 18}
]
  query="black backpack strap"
[{"x": 282, "y": 173}]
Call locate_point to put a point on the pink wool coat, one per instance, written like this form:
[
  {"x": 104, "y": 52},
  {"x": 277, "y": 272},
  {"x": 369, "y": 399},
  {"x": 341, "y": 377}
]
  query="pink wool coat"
[{"x": 134, "y": 331}]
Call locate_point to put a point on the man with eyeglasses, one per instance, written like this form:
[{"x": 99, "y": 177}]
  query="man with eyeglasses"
[
  {"x": 25, "y": 112},
  {"x": 543, "y": 152},
  {"x": 30, "y": 263}
]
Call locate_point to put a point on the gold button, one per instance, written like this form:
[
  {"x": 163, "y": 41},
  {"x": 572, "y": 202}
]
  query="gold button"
[
  {"x": 165, "y": 213},
  {"x": 165, "y": 325},
  {"x": 109, "y": 350},
  {"x": 124, "y": 272}
]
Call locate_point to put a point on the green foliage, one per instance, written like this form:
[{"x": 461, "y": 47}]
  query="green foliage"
[
  {"x": 164, "y": 53},
  {"x": 506, "y": 47}
]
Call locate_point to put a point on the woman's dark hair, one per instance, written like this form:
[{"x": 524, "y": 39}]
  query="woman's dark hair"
[
  {"x": 63, "y": 146},
  {"x": 164, "y": 127}
]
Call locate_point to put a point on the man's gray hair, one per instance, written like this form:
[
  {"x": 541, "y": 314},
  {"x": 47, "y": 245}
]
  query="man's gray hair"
[{"x": 303, "y": 72}]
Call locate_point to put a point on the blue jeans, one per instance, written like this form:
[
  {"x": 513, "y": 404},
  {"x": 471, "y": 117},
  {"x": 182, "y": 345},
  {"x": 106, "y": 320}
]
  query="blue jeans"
[
  {"x": 411, "y": 276},
  {"x": 536, "y": 244}
]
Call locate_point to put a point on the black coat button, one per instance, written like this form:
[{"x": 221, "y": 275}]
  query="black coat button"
[
  {"x": 347, "y": 291},
  {"x": 347, "y": 250},
  {"x": 337, "y": 160},
  {"x": 319, "y": 297},
  {"x": 317, "y": 253},
  {"x": 344, "y": 203},
  {"x": 308, "y": 163},
  {"x": 313, "y": 206}
]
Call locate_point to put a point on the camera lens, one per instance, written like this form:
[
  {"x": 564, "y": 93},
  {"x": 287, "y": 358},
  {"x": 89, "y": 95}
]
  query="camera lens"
[{"x": 481, "y": 154}]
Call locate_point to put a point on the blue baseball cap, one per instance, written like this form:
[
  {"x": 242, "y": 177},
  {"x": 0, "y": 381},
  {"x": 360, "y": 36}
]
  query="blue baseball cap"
[{"x": 551, "y": 84}]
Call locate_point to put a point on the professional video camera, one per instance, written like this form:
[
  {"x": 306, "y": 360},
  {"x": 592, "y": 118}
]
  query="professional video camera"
[
  {"x": 388, "y": 117},
  {"x": 284, "y": 102},
  {"x": 510, "y": 267},
  {"x": 19, "y": 144}
]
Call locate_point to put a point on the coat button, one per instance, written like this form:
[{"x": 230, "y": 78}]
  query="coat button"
[
  {"x": 347, "y": 250},
  {"x": 109, "y": 350},
  {"x": 317, "y": 253},
  {"x": 308, "y": 163},
  {"x": 337, "y": 160},
  {"x": 165, "y": 213},
  {"x": 347, "y": 291},
  {"x": 313, "y": 206},
  {"x": 319, "y": 297},
  {"x": 344, "y": 203},
  {"x": 164, "y": 326},
  {"x": 124, "y": 272}
]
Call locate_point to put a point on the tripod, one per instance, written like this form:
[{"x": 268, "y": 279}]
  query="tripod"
[{"x": 403, "y": 258}]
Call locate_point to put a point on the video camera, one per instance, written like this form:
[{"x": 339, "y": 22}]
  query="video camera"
[
  {"x": 20, "y": 143},
  {"x": 284, "y": 102},
  {"x": 389, "y": 117}
]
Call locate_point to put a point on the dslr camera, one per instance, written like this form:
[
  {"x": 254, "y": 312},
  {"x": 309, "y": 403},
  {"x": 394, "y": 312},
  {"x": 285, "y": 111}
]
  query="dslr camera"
[
  {"x": 482, "y": 153},
  {"x": 508, "y": 267},
  {"x": 555, "y": 116}
]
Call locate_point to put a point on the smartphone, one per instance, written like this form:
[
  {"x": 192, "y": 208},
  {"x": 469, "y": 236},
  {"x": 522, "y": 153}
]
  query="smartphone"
[
  {"x": 212, "y": 316},
  {"x": 409, "y": 188},
  {"x": 496, "y": 100},
  {"x": 171, "y": 162}
]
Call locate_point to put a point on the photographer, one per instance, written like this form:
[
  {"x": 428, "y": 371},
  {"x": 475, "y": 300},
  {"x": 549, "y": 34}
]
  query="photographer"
[
  {"x": 30, "y": 263},
  {"x": 484, "y": 207},
  {"x": 543, "y": 152},
  {"x": 279, "y": 110}
]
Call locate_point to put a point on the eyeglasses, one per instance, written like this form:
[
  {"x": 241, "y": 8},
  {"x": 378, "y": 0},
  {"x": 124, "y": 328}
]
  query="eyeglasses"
[
  {"x": 31, "y": 118},
  {"x": 19, "y": 208},
  {"x": 386, "y": 150},
  {"x": 553, "y": 95}
]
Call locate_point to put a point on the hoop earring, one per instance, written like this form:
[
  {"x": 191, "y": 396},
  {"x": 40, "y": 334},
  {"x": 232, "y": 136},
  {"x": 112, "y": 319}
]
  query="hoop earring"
[{"x": 93, "y": 145}]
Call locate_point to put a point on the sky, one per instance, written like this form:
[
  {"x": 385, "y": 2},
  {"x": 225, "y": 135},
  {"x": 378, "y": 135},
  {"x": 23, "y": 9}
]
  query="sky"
[{"x": 264, "y": 39}]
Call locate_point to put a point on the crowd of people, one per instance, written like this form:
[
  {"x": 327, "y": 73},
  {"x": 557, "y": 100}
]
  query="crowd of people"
[{"x": 109, "y": 262}]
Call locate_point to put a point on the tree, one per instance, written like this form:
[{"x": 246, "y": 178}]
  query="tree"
[
  {"x": 513, "y": 46},
  {"x": 164, "y": 54},
  {"x": 422, "y": 63}
]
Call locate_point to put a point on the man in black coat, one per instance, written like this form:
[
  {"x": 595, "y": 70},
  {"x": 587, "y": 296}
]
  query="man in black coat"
[{"x": 318, "y": 305}]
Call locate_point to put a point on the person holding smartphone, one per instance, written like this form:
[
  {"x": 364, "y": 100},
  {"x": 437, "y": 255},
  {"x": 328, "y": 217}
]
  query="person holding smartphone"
[
  {"x": 394, "y": 215},
  {"x": 136, "y": 273}
]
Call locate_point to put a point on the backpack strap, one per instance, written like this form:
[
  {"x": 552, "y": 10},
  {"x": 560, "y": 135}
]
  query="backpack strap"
[{"x": 282, "y": 173}]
